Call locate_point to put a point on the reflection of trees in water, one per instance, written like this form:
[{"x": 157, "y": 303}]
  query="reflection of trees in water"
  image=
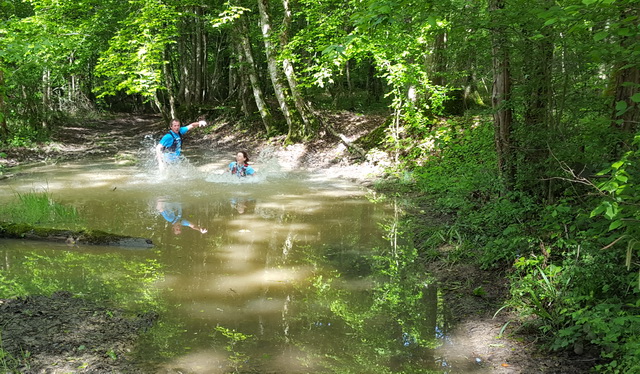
[
  {"x": 129, "y": 282},
  {"x": 372, "y": 312}
]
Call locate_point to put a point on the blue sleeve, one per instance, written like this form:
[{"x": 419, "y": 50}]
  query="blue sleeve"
[
  {"x": 185, "y": 223},
  {"x": 167, "y": 140},
  {"x": 184, "y": 129},
  {"x": 231, "y": 165},
  {"x": 249, "y": 170},
  {"x": 169, "y": 216}
]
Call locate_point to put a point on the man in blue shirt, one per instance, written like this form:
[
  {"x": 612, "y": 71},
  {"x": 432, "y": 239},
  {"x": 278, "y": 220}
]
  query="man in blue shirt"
[{"x": 169, "y": 148}]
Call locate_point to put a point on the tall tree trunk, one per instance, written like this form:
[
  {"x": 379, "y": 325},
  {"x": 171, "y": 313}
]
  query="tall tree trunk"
[
  {"x": 199, "y": 69},
  {"x": 253, "y": 75},
  {"x": 216, "y": 85},
  {"x": 4, "y": 130},
  {"x": 537, "y": 115},
  {"x": 304, "y": 108},
  {"x": 182, "y": 72},
  {"x": 439, "y": 62},
  {"x": 626, "y": 79},
  {"x": 272, "y": 67},
  {"x": 46, "y": 96},
  {"x": 242, "y": 86},
  {"x": 168, "y": 76},
  {"x": 501, "y": 94}
]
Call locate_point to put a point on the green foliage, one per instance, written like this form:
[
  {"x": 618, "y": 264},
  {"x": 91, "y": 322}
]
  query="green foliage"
[
  {"x": 236, "y": 342},
  {"x": 26, "y": 136},
  {"x": 539, "y": 290},
  {"x": 10, "y": 363},
  {"x": 134, "y": 61},
  {"x": 569, "y": 256},
  {"x": 39, "y": 208},
  {"x": 613, "y": 327},
  {"x": 112, "y": 277},
  {"x": 10, "y": 288}
]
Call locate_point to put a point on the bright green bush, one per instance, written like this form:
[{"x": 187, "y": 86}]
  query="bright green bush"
[{"x": 573, "y": 247}]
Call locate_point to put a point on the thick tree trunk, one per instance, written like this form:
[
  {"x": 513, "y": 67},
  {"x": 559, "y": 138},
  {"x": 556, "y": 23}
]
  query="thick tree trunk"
[
  {"x": 538, "y": 118},
  {"x": 626, "y": 82},
  {"x": 272, "y": 67},
  {"x": 501, "y": 94},
  {"x": 253, "y": 76}
]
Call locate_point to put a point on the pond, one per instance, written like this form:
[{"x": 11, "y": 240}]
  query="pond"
[{"x": 287, "y": 272}]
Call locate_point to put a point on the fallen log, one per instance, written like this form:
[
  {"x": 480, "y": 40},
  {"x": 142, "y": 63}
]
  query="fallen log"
[{"x": 86, "y": 237}]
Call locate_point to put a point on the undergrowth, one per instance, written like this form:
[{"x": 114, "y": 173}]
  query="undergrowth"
[{"x": 571, "y": 242}]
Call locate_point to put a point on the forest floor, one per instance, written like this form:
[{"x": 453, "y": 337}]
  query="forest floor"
[{"x": 64, "y": 334}]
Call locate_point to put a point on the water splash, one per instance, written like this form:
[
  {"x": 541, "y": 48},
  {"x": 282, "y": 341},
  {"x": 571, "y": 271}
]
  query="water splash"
[{"x": 265, "y": 164}]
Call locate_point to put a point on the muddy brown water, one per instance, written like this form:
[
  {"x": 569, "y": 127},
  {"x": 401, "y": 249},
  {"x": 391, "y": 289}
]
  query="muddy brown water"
[{"x": 288, "y": 272}]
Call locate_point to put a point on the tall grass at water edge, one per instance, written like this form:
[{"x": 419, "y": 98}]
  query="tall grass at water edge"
[{"x": 39, "y": 208}]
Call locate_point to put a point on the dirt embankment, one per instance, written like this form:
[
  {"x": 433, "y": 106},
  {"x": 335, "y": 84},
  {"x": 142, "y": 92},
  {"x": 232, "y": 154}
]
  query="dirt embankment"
[{"x": 62, "y": 334}]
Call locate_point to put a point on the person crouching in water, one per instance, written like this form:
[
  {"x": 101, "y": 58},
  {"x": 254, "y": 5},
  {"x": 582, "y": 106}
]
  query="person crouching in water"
[
  {"x": 169, "y": 148},
  {"x": 240, "y": 167}
]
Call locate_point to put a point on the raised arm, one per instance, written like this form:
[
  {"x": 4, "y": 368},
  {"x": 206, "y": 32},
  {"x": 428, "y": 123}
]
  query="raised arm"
[{"x": 201, "y": 123}]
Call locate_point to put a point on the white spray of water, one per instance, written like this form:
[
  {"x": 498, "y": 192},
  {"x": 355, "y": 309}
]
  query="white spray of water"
[{"x": 265, "y": 164}]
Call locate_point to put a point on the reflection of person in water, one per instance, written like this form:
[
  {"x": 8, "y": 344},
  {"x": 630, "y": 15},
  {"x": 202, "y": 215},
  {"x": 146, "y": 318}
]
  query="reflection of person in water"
[
  {"x": 243, "y": 204},
  {"x": 172, "y": 212},
  {"x": 240, "y": 167}
]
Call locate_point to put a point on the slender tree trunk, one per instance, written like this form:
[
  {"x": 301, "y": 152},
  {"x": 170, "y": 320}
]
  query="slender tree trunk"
[
  {"x": 4, "y": 130},
  {"x": 168, "y": 76},
  {"x": 46, "y": 96},
  {"x": 216, "y": 85},
  {"x": 253, "y": 76},
  {"x": 199, "y": 69},
  {"x": 234, "y": 71},
  {"x": 272, "y": 67},
  {"x": 181, "y": 71},
  {"x": 502, "y": 116},
  {"x": 304, "y": 109},
  {"x": 241, "y": 85}
]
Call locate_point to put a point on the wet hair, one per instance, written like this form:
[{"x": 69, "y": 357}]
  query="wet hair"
[
  {"x": 246, "y": 156},
  {"x": 174, "y": 120}
]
